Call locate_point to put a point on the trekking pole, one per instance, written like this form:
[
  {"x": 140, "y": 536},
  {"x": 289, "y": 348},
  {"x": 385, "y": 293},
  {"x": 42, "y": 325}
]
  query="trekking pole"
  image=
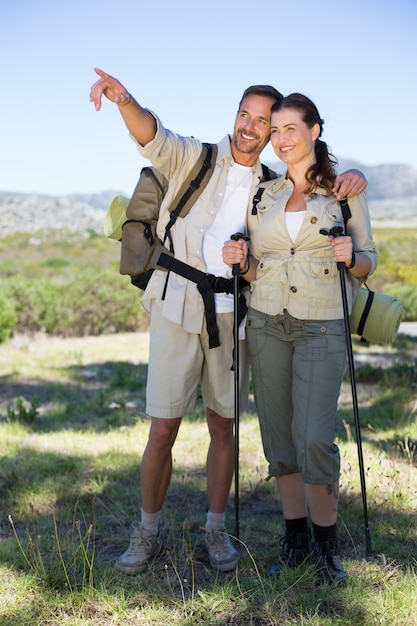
[
  {"x": 336, "y": 231},
  {"x": 236, "y": 291}
]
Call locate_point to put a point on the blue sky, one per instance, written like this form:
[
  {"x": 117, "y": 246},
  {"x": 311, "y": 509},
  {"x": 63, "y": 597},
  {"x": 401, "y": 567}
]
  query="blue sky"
[{"x": 190, "y": 62}]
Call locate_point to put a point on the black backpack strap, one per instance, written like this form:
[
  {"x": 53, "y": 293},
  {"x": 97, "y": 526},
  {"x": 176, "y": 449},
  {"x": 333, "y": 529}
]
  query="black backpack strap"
[
  {"x": 346, "y": 212},
  {"x": 267, "y": 174},
  {"x": 207, "y": 285},
  {"x": 207, "y": 157},
  {"x": 256, "y": 199},
  {"x": 365, "y": 312}
]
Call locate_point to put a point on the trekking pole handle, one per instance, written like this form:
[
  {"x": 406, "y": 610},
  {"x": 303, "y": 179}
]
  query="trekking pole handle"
[
  {"x": 336, "y": 231},
  {"x": 236, "y": 266}
]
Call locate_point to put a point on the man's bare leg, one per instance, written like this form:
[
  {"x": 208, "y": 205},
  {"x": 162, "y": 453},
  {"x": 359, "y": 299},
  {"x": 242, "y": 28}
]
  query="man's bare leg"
[{"x": 156, "y": 467}]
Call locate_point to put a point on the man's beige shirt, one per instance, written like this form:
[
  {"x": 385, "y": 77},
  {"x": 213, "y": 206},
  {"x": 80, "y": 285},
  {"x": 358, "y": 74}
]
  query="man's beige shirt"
[{"x": 175, "y": 156}]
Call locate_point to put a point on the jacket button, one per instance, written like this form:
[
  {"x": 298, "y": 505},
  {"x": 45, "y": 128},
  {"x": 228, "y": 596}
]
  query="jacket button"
[
  {"x": 293, "y": 289},
  {"x": 313, "y": 220},
  {"x": 326, "y": 271},
  {"x": 292, "y": 250}
]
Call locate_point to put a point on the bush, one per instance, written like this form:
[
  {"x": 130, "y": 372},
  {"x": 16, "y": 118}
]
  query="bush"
[
  {"x": 49, "y": 289},
  {"x": 90, "y": 303},
  {"x": 407, "y": 295},
  {"x": 8, "y": 318},
  {"x": 96, "y": 303},
  {"x": 35, "y": 302}
]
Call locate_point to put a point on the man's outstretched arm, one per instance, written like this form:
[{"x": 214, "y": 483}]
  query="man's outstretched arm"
[{"x": 140, "y": 123}]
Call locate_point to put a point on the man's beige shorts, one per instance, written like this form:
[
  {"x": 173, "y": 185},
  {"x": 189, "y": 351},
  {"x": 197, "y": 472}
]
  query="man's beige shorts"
[{"x": 179, "y": 361}]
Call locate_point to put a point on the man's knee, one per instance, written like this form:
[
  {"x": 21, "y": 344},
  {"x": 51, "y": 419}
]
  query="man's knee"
[
  {"x": 220, "y": 428},
  {"x": 163, "y": 432}
]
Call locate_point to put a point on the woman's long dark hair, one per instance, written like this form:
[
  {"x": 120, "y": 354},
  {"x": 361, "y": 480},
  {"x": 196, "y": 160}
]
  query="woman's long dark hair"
[{"x": 322, "y": 173}]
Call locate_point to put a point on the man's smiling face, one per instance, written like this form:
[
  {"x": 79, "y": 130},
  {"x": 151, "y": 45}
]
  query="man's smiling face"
[{"x": 252, "y": 128}]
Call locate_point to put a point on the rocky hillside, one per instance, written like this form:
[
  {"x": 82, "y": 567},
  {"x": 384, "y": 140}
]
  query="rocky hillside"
[
  {"x": 30, "y": 213},
  {"x": 384, "y": 181},
  {"x": 392, "y": 195}
]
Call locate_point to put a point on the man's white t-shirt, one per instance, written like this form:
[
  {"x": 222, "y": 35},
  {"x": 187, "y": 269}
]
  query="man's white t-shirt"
[{"x": 230, "y": 219}]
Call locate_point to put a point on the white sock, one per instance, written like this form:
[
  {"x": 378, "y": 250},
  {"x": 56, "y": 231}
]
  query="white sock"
[
  {"x": 215, "y": 521},
  {"x": 150, "y": 522}
]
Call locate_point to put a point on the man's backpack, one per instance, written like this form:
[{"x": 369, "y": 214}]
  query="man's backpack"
[
  {"x": 138, "y": 237},
  {"x": 142, "y": 250}
]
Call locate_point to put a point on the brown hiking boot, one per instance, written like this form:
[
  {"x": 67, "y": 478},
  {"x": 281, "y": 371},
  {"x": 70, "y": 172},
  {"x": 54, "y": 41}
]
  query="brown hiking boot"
[
  {"x": 296, "y": 549},
  {"x": 329, "y": 565}
]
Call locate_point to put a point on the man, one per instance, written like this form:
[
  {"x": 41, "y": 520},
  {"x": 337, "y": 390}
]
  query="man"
[{"x": 179, "y": 356}]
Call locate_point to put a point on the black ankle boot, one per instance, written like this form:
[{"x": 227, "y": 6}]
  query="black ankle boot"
[
  {"x": 296, "y": 548},
  {"x": 329, "y": 565}
]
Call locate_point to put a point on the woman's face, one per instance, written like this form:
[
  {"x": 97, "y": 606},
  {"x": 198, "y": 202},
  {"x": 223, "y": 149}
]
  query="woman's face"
[{"x": 293, "y": 141}]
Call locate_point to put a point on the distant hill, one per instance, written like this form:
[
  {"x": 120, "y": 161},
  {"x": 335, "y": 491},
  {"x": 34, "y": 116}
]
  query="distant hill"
[
  {"x": 31, "y": 213},
  {"x": 391, "y": 191},
  {"x": 392, "y": 196},
  {"x": 384, "y": 181}
]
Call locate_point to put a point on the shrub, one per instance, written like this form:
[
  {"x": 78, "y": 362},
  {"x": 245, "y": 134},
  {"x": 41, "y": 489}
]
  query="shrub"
[
  {"x": 35, "y": 303},
  {"x": 8, "y": 317},
  {"x": 90, "y": 303},
  {"x": 56, "y": 262},
  {"x": 407, "y": 295},
  {"x": 94, "y": 303}
]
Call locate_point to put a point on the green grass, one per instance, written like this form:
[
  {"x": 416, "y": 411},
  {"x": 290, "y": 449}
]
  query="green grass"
[{"x": 72, "y": 430}]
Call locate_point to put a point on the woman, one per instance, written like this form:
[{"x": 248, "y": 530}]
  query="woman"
[{"x": 295, "y": 328}]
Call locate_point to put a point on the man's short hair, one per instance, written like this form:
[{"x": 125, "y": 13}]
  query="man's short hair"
[{"x": 261, "y": 90}]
